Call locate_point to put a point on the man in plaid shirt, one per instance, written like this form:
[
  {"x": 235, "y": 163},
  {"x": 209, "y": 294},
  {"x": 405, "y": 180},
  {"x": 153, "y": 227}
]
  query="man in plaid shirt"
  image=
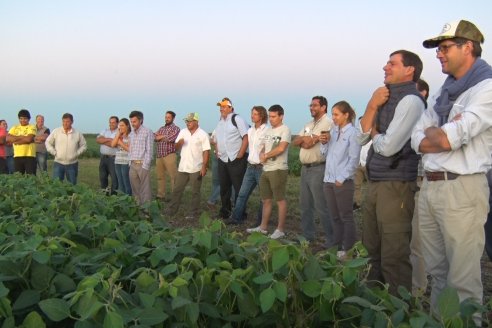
[
  {"x": 166, "y": 154},
  {"x": 140, "y": 156}
]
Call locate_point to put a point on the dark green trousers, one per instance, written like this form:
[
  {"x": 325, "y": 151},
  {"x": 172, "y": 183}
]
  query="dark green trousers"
[{"x": 387, "y": 231}]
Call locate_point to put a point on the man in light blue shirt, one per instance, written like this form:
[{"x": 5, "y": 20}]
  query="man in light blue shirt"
[{"x": 232, "y": 144}]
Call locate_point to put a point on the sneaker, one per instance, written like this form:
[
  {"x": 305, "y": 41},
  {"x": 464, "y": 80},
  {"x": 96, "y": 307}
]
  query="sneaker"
[
  {"x": 341, "y": 255},
  {"x": 257, "y": 229},
  {"x": 277, "y": 234}
]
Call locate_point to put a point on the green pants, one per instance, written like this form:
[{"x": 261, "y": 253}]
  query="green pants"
[{"x": 387, "y": 231}]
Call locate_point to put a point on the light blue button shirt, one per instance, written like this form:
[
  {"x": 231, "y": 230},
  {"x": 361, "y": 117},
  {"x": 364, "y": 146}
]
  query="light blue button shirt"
[
  {"x": 342, "y": 154},
  {"x": 230, "y": 138}
]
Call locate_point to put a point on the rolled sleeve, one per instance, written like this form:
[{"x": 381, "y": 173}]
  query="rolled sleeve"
[{"x": 407, "y": 113}]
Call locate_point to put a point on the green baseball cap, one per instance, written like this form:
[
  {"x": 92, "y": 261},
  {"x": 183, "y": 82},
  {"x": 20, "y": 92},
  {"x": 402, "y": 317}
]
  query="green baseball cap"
[
  {"x": 456, "y": 29},
  {"x": 192, "y": 117}
]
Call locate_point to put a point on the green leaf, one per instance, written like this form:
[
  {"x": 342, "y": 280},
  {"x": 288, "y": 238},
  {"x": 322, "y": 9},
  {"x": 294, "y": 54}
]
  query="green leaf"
[
  {"x": 113, "y": 320},
  {"x": 33, "y": 242},
  {"x": 152, "y": 317},
  {"x": 205, "y": 239},
  {"x": 4, "y": 291},
  {"x": 63, "y": 283},
  {"x": 349, "y": 275},
  {"x": 42, "y": 257},
  {"x": 41, "y": 275},
  {"x": 280, "y": 257},
  {"x": 448, "y": 303},
  {"x": 397, "y": 317},
  {"x": 418, "y": 322},
  {"x": 144, "y": 280},
  {"x": 88, "y": 306},
  {"x": 5, "y": 308},
  {"x": 146, "y": 300},
  {"x": 311, "y": 288},
  {"x": 33, "y": 320},
  {"x": 209, "y": 310},
  {"x": 313, "y": 270},
  {"x": 363, "y": 302},
  {"x": 12, "y": 228},
  {"x": 193, "y": 312},
  {"x": 280, "y": 289},
  {"x": 179, "y": 301},
  {"x": 9, "y": 323},
  {"x": 26, "y": 299},
  {"x": 356, "y": 263},
  {"x": 168, "y": 269},
  {"x": 267, "y": 299},
  {"x": 237, "y": 289},
  {"x": 265, "y": 278},
  {"x": 56, "y": 309}
]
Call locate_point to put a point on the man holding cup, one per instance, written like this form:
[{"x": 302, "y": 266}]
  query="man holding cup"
[{"x": 313, "y": 167}]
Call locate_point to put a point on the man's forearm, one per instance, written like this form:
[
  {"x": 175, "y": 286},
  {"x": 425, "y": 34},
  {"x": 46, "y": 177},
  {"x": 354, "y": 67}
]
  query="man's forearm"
[{"x": 435, "y": 141}]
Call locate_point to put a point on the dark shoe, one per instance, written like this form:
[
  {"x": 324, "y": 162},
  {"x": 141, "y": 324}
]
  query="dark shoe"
[{"x": 233, "y": 222}]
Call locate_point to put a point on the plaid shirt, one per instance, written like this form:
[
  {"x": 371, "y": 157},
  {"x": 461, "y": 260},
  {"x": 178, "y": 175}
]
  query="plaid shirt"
[
  {"x": 165, "y": 148},
  {"x": 141, "y": 146}
]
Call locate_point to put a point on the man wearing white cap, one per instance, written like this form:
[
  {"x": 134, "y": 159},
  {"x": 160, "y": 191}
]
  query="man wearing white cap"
[
  {"x": 231, "y": 134},
  {"x": 455, "y": 137},
  {"x": 195, "y": 146}
]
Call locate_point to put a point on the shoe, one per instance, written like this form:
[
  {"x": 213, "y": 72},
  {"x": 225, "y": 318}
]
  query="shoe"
[
  {"x": 277, "y": 234},
  {"x": 356, "y": 207},
  {"x": 257, "y": 229},
  {"x": 341, "y": 255}
]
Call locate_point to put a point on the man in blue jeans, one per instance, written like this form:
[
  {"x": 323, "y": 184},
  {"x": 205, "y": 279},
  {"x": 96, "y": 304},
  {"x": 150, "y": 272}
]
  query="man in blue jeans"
[
  {"x": 254, "y": 168},
  {"x": 66, "y": 144}
]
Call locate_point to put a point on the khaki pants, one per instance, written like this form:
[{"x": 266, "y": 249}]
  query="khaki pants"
[
  {"x": 140, "y": 182},
  {"x": 182, "y": 179},
  {"x": 452, "y": 215},
  {"x": 387, "y": 229},
  {"x": 163, "y": 165}
]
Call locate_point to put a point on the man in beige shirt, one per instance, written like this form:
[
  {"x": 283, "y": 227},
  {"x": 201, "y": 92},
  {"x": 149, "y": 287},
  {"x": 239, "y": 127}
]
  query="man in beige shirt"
[{"x": 313, "y": 167}]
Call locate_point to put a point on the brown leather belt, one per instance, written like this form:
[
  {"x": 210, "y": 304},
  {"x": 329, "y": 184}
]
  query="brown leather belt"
[
  {"x": 438, "y": 176},
  {"x": 256, "y": 166},
  {"x": 313, "y": 164},
  {"x": 137, "y": 162}
]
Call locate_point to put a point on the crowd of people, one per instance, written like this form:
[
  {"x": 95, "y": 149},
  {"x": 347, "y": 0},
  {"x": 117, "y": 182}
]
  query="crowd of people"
[{"x": 400, "y": 145}]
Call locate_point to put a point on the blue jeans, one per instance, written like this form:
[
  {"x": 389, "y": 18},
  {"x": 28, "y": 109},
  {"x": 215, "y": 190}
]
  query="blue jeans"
[
  {"x": 10, "y": 164},
  {"x": 70, "y": 171},
  {"x": 250, "y": 180},
  {"x": 42, "y": 161},
  {"x": 123, "y": 176}
]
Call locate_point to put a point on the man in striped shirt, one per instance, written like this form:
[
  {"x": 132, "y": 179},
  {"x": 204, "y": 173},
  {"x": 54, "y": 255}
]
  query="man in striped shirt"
[{"x": 140, "y": 156}]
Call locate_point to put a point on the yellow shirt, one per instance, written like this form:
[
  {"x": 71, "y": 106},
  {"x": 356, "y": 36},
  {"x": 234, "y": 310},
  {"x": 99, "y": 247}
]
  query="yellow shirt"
[{"x": 24, "y": 150}]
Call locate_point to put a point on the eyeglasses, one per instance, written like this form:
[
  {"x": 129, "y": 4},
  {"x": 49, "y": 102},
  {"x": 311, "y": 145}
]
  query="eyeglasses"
[{"x": 445, "y": 47}]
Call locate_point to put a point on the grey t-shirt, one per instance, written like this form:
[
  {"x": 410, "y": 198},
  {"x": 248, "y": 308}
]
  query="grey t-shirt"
[{"x": 272, "y": 138}]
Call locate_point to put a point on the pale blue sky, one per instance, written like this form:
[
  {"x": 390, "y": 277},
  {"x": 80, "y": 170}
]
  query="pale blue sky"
[{"x": 96, "y": 58}]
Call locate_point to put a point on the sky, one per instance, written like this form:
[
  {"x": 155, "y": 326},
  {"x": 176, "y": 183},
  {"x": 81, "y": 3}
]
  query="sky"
[{"x": 97, "y": 58}]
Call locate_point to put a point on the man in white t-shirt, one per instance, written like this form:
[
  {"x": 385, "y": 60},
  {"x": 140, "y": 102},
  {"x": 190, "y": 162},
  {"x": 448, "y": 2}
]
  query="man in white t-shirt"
[
  {"x": 273, "y": 181},
  {"x": 194, "y": 145}
]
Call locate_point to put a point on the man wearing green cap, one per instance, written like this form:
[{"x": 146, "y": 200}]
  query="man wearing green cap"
[
  {"x": 194, "y": 144},
  {"x": 455, "y": 137}
]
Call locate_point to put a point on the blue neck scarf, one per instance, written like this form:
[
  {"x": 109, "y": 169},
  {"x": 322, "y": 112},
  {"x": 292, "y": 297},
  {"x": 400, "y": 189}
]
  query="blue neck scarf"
[{"x": 453, "y": 88}]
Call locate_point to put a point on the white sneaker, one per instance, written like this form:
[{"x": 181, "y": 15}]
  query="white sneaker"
[
  {"x": 277, "y": 234},
  {"x": 342, "y": 255},
  {"x": 257, "y": 229}
]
